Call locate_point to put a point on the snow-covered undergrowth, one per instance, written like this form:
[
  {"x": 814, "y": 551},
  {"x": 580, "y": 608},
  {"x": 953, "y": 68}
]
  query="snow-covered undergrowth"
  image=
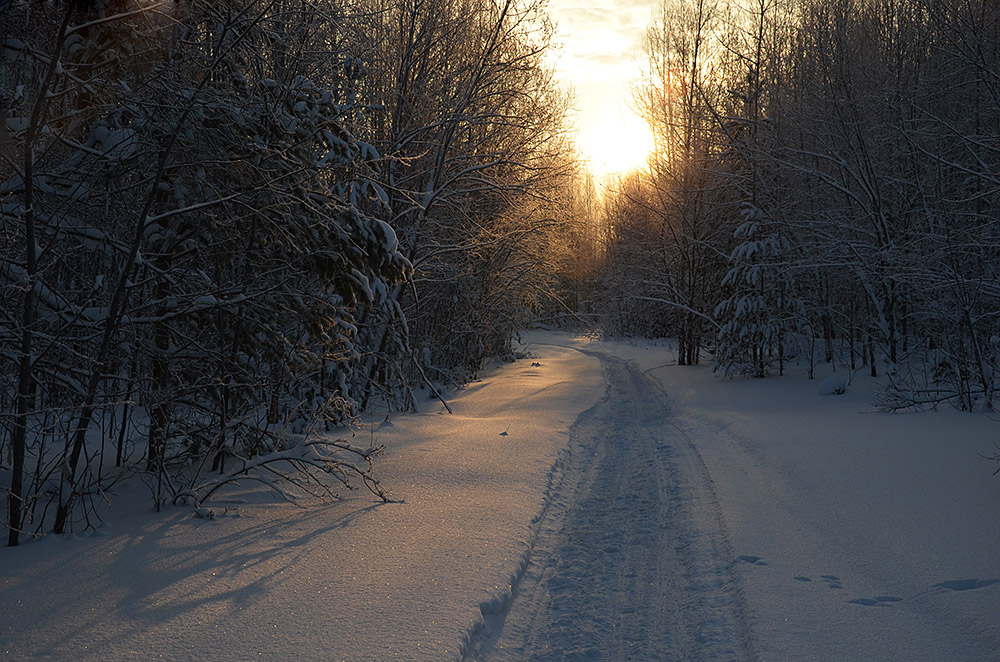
[{"x": 842, "y": 533}]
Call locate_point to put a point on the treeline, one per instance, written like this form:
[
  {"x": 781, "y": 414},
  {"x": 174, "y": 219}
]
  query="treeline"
[
  {"x": 826, "y": 183},
  {"x": 226, "y": 224}
]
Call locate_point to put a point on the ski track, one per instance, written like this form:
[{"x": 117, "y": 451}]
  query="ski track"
[{"x": 630, "y": 558}]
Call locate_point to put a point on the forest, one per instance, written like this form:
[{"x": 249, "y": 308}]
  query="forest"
[{"x": 231, "y": 226}]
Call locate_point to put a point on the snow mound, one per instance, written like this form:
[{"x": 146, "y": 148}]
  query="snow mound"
[{"x": 833, "y": 385}]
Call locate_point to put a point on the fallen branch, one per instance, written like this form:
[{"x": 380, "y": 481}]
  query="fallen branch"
[{"x": 298, "y": 469}]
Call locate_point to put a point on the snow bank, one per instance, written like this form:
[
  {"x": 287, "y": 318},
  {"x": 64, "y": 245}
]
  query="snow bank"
[{"x": 354, "y": 580}]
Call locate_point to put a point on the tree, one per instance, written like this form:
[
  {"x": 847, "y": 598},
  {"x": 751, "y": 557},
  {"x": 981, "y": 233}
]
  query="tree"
[
  {"x": 227, "y": 216},
  {"x": 475, "y": 130},
  {"x": 684, "y": 178},
  {"x": 825, "y": 171}
]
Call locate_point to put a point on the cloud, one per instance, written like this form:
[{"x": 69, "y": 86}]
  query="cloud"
[
  {"x": 583, "y": 15},
  {"x": 600, "y": 39},
  {"x": 601, "y": 59},
  {"x": 609, "y": 59}
]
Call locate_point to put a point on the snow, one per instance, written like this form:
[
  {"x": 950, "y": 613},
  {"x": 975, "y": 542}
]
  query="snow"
[
  {"x": 17, "y": 124},
  {"x": 355, "y": 580},
  {"x": 833, "y": 385},
  {"x": 868, "y": 507},
  {"x": 634, "y": 509}
]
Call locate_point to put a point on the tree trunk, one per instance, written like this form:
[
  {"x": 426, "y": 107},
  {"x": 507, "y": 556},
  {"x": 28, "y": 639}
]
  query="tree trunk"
[
  {"x": 25, "y": 364},
  {"x": 160, "y": 374},
  {"x": 24, "y": 379}
]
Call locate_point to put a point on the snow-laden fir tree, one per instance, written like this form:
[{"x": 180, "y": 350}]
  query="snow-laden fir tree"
[{"x": 762, "y": 314}]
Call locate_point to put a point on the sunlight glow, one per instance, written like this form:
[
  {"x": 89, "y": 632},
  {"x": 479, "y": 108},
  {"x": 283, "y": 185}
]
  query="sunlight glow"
[
  {"x": 599, "y": 57},
  {"x": 614, "y": 143}
]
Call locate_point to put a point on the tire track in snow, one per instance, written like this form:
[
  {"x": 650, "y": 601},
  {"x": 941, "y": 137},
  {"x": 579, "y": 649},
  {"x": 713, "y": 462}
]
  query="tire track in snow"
[{"x": 630, "y": 560}]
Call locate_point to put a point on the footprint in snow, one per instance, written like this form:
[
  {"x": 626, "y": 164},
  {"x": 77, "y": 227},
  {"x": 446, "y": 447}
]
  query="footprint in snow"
[
  {"x": 831, "y": 581},
  {"x": 966, "y": 584},
  {"x": 879, "y": 601},
  {"x": 751, "y": 559}
]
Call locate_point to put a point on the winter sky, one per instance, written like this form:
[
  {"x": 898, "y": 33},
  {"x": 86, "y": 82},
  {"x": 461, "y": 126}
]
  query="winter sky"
[{"x": 600, "y": 56}]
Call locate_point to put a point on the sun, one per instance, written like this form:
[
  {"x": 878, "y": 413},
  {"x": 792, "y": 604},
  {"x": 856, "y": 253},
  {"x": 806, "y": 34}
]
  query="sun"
[{"x": 614, "y": 142}]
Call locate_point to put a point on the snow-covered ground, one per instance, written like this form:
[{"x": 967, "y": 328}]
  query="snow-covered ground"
[
  {"x": 591, "y": 502},
  {"x": 857, "y": 535}
]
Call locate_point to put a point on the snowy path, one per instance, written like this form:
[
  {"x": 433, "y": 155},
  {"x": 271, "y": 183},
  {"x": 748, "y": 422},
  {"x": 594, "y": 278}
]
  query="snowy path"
[
  {"x": 631, "y": 559},
  {"x": 570, "y": 508}
]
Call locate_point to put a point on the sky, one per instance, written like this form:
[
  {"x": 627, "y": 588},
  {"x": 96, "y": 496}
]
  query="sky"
[{"x": 599, "y": 55}]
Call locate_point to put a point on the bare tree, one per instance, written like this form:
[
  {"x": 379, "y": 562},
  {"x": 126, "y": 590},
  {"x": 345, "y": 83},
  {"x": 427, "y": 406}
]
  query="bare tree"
[{"x": 474, "y": 126}]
